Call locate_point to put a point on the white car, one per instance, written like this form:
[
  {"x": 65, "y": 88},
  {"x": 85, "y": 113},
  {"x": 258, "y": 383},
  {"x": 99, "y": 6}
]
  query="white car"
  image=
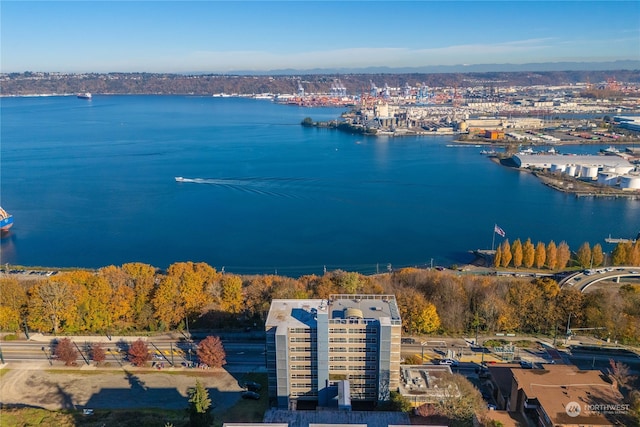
[{"x": 449, "y": 362}]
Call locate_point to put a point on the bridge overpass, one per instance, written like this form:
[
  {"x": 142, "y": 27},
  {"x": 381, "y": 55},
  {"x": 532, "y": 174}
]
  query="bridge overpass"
[{"x": 583, "y": 279}]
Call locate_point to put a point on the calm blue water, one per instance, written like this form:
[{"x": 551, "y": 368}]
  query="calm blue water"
[{"x": 91, "y": 183}]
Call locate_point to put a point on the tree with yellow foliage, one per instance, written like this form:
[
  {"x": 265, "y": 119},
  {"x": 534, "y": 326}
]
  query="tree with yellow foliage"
[
  {"x": 231, "y": 299},
  {"x": 506, "y": 254},
  {"x": 419, "y": 316},
  {"x": 13, "y": 300},
  {"x": 516, "y": 251},
  {"x": 141, "y": 280},
  {"x": 497, "y": 258},
  {"x": 528, "y": 254},
  {"x": 597, "y": 255},
  {"x": 53, "y": 303},
  {"x": 541, "y": 255},
  {"x": 552, "y": 255},
  {"x": 583, "y": 255},
  {"x": 94, "y": 310},
  {"x": 564, "y": 255}
]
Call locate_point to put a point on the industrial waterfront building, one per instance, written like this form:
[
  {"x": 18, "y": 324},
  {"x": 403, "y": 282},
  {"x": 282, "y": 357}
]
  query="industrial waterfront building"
[{"x": 331, "y": 352}]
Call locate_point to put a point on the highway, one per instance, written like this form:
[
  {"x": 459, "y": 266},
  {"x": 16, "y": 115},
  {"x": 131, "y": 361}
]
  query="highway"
[{"x": 584, "y": 279}]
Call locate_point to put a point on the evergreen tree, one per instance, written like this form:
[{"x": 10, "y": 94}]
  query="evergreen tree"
[
  {"x": 199, "y": 406},
  {"x": 541, "y": 255}
]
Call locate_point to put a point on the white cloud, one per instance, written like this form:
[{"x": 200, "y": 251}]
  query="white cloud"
[{"x": 364, "y": 57}]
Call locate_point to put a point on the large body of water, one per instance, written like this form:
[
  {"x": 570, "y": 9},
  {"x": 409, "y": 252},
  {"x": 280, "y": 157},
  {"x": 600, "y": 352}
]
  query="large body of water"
[{"x": 91, "y": 183}]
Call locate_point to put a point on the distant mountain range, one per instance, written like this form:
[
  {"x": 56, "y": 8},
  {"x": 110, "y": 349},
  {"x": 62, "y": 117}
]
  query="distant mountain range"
[{"x": 461, "y": 68}]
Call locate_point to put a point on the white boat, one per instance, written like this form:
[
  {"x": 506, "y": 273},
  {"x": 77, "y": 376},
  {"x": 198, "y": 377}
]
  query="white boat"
[
  {"x": 179, "y": 179},
  {"x": 85, "y": 95}
]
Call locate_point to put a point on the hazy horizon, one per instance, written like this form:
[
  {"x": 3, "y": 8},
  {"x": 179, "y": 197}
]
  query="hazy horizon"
[{"x": 230, "y": 37}]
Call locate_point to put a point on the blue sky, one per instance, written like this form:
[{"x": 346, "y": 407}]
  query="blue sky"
[{"x": 223, "y": 36}]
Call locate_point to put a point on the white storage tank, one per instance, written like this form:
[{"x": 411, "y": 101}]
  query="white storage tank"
[
  {"x": 589, "y": 172},
  {"x": 571, "y": 170},
  {"x": 630, "y": 182},
  {"x": 608, "y": 178},
  {"x": 558, "y": 168}
]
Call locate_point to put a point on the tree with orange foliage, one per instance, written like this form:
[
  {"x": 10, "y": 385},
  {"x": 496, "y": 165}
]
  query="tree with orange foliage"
[
  {"x": 98, "y": 354},
  {"x": 497, "y": 258},
  {"x": 552, "y": 255},
  {"x": 211, "y": 352},
  {"x": 564, "y": 255},
  {"x": 13, "y": 299},
  {"x": 528, "y": 254},
  {"x": 506, "y": 254},
  {"x": 516, "y": 251},
  {"x": 541, "y": 255},
  {"x": 139, "y": 353},
  {"x": 66, "y": 352}
]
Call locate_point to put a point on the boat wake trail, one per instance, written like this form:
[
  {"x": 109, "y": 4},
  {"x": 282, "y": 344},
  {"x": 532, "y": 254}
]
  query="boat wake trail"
[{"x": 277, "y": 187}]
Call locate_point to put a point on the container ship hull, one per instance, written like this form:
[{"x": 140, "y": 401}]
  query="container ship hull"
[{"x": 6, "y": 220}]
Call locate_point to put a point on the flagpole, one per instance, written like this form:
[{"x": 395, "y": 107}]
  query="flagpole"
[{"x": 493, "y": 242}]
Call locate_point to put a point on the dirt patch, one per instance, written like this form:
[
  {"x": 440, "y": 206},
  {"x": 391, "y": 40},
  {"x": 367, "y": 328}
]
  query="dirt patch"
[{"x": 115, "y": 389}]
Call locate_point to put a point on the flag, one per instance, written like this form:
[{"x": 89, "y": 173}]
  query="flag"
[{"x": 499, "y": 230}]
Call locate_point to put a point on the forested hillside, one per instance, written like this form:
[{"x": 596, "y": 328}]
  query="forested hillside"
[{"x": 33, "y": 83}]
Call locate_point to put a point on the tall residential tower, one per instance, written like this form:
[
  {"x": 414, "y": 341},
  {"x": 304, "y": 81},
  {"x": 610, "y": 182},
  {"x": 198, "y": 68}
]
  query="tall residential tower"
[{"x": 315, "y": 345}]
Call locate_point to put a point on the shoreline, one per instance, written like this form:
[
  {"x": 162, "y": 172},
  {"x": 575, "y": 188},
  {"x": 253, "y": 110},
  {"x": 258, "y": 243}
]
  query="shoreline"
[{"x": 570, "y": 185}]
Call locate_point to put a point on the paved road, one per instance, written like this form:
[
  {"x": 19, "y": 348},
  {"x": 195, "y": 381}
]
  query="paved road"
[
  {"x": 586, "y": 278},
  {"x": 241, "y": 357}
]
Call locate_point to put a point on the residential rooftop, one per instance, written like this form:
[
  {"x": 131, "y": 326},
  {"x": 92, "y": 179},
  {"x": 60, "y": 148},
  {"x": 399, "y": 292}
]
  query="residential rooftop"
[{"x": 341, "y": 308}]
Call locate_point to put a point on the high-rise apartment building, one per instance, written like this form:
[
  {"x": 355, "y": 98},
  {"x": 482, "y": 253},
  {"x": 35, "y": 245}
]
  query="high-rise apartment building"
[{"x": 313, "y": 344}]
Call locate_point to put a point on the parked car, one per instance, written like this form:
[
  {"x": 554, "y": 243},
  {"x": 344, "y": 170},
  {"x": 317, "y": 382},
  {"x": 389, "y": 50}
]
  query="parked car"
[
  {"x": 250, "y": 395},
  {"x": 252, "y": 386},
  {"x": 408, "y": 341},
  {"x": 449, "y": 362}
]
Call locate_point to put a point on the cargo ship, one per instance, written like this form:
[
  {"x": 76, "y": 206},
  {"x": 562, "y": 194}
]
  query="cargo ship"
[{"x": 6, "y": 220}]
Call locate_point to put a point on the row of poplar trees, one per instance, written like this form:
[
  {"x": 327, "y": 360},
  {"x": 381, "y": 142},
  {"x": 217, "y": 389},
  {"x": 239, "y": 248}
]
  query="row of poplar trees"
[{"x": 558, "y": 257}]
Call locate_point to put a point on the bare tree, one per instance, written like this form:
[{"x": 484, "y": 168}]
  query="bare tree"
[{"x": 619, "y": 372}]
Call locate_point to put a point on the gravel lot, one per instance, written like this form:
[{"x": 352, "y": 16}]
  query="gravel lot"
[{"x": 114, "y": 388}]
